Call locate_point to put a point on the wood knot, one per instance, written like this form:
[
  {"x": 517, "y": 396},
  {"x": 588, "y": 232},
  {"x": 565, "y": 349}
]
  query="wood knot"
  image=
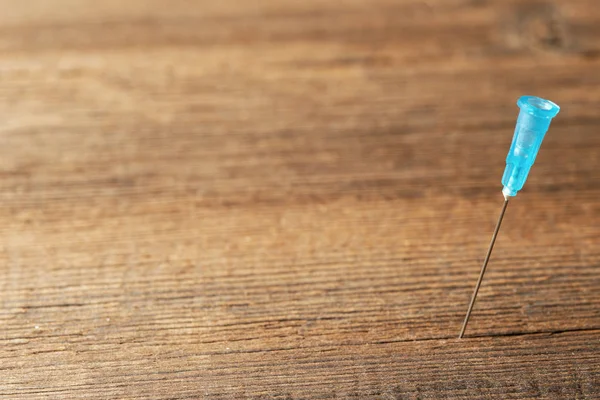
[{"x": 539, "y": 26}]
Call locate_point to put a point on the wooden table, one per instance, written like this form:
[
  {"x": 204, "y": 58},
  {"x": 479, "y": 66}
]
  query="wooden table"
[{"x": 291, "y": 200}]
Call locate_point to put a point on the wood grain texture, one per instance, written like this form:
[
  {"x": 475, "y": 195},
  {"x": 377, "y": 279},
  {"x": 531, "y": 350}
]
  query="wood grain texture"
[{"x": 291, "y": 200}]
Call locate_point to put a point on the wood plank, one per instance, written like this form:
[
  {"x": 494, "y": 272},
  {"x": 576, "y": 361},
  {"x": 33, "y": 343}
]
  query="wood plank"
[
  {"x": 511, "y": 367},
  {"x": 292, "y": 200}
]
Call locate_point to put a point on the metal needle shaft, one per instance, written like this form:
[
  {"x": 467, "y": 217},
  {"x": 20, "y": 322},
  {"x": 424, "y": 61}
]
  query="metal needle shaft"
[{"x": 485, "y": 263}]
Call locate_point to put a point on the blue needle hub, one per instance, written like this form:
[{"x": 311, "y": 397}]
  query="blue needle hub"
[{"x": 532, "y": 125}]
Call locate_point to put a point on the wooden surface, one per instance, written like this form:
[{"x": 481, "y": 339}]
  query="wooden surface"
[{"x": 292, "y": 199}]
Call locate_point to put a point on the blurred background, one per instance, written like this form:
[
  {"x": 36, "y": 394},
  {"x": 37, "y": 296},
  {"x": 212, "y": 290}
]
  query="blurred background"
[{"x": 186, "y": 185}]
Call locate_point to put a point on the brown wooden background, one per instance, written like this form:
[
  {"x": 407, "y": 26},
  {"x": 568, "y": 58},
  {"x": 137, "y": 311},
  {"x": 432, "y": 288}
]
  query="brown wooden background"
[{"x": 291, "y": 200}]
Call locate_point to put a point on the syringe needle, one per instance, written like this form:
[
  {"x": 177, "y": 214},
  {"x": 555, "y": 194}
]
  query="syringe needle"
[
  {"x": 484, "y": 266},
  {"x": 532, "y": 125}
]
